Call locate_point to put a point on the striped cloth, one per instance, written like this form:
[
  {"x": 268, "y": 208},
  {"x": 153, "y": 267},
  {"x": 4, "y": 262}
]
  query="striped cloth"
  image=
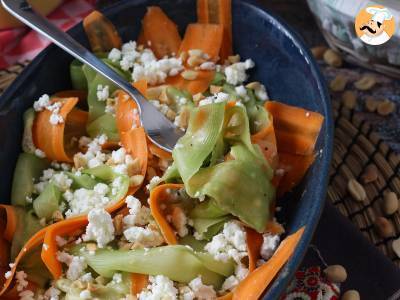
[{"x": 21, "y": 44}]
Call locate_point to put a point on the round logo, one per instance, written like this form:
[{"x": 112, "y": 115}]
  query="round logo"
[{"x": 375, "y": 25}]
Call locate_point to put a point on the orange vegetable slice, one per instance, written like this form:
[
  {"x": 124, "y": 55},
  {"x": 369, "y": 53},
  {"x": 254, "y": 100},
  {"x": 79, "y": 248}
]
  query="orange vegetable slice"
[
  {"x": 157, "y": 196},
  {"x": 160, "y": 32},
  {"x": 101, "y": 32},
  {"x": 206, "y": 37},
  {"x": 49, "y": 137},
  {"x": 252, "y": 287},
  {"x": 296, "y": 129}
]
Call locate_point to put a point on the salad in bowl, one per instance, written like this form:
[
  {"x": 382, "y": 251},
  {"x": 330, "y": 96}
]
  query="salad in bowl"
[{"x": 99, "y": 212}]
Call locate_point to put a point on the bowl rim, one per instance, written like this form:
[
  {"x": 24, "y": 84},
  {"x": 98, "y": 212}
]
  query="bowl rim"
[{"x": 285, "y": 275}]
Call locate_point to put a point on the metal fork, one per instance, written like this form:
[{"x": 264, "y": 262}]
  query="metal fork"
[{"x": 159, "y": 129}]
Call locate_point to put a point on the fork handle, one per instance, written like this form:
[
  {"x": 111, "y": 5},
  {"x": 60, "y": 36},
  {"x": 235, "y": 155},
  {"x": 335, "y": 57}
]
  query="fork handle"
[{"x": 24, "y": 12}]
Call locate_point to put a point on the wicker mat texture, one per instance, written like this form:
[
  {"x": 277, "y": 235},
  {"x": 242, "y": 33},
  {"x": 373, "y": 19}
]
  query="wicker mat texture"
[{"x": 356, "y": 146}]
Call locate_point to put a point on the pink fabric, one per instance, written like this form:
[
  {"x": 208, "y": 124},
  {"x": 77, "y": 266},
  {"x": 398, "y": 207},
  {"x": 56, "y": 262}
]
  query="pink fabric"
[{"x": 21, "y": 44}]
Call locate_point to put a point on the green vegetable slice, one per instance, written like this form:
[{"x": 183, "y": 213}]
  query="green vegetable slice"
[
  {"x": 241, "y": 187},
  {"x": 179, "y": 263},
  {"x": 27, "y": 225},
  {"x": 47, "y": 202},
  {"x": 195, "y": 146},
  {"x": 29, "y": 168},
  {"x": 28, "y": 145},
  {"x": 78, "y": 78}
]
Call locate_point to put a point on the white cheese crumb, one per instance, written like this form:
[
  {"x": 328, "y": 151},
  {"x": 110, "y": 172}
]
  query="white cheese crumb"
[
  {"x": 100, "y": 227},
  {"x": 230, "y": 243},
  {"x": 115, "y": 54},
  {"x": 103, "y": 92},
  {"x": 8, "y": 274},
  {"x": 42, "y": 103},
  {"x": 83, "y": 200},
  {"x": 144, "y": 236},
  {"x": 236, "y": 73},
  {"x": 153, "y": 183},
  {"x": 269, "y": 245},
  {"x": 85, "y": 294},
  {"x": 39, "y": 153},
  {"x": 138, "y": 213},
  {"x": 160, "y": 287},
  {"x": 22, "y": 283}
]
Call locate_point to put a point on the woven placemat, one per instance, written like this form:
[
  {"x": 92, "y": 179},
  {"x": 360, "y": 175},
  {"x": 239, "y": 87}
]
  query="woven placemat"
[{"x": 356, "y": 146}]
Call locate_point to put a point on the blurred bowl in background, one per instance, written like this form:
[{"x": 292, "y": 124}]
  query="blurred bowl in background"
[
  {"x": 336, "y": 21},
  {"x": 43, "y": 6}
]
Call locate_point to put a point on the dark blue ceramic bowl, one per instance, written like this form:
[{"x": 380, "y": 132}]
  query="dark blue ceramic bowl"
[{"x": 283, "y": 64}]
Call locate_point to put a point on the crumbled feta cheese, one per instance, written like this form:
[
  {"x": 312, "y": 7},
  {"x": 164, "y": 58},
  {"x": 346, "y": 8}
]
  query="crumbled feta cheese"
[
  {"x": 103, "y": 92},
  {"x": 42, "y": 103},
  {"x": 86, "y": 277},
  {"x": 8, "y": 274},
  {"x": 230, "y": 243},
  {"x": 236, "y": 73},
  {"x": 100, "y": 227},
  {"x": 160, "y": 287},
  {"x": 62, "y": 181},
  {"x": 83, "y": 200},
  {"x": 153, "y": 183},
  {"x": 85, "y": 294},
  {"x": 179, "y": 220},
  {"x": 22, "y": 283},
  {"x": 76, "y": 267},
  {"x": 144, "y": 236},
  {"x": 146, "y": 66},
  {"x": 217, "y": 98},
  {"x": 202, "y": 291},
  {"x": 39, "y": 153},
  {"x": 117, "y": 278},
  {"x": 115, "y": 54},
  {"x": 230, "y": 283},
  {"x": 269, "y": 245},
  {"x": 56, "y": 119},
  {"x": 138, "y": 213},
  {"x": 52, "y": 293}
]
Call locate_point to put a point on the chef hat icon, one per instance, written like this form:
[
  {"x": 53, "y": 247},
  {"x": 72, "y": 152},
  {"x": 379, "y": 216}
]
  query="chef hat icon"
[{"x": 379, "y": 14}]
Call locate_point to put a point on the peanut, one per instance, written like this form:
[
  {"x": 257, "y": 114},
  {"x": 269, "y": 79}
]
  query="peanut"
[
  {"x": 215, "y": 89},
  {"x": 234, "y": 58},
  {"x": 318, "y": 51},
  {"x": 365, "y": 83},
  {"x": 356, "y": 190},
  {"x": 370, "y": 174},
  {"x": 336, "y": 273},
  {"x": 333, "y": 58},
  {"x": 384, "y": 227},
  {"x": 386, "y": 107},
  {"x": 91, "y": 246},
  {"x": 351, "y": 295},
  {"x": 338, "y": 83},
  {"x": 371, "y": 104},
  {"x": 117, "y": 221},
  {"x": 396, "y": 247},
  {"x": 189, "y": 74},
  {"x": 349, "y": 99},
  {"x": 390, "y": 203},
  {"x": 136, "y": 180}
]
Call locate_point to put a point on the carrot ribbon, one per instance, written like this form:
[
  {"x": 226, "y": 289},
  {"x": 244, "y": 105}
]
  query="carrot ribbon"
[
  {"x": 252, "y": 287},
  {"x": 50, "y": 138}
]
